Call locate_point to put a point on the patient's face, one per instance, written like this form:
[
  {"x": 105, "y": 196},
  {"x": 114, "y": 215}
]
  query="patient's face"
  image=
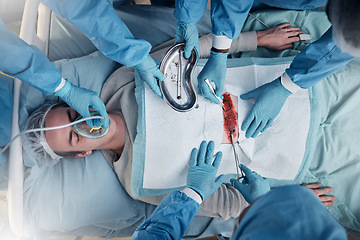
[{"x": 66, "y": 139}]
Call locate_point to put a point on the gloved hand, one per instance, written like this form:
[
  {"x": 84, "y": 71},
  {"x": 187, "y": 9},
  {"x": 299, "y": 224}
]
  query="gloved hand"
[
  {"x": 215, "y": 71},
  {"x": 202, "y": 172},
  {"x": 255, "y": 187},
  {"x": 188, "y": 33},
  {"x": 269, "y": 100},
  {"x": 80, "y": 99},
  {"x": 149, "y": 72}
]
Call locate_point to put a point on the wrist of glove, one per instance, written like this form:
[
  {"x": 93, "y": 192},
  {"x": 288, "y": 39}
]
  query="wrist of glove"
[
  {"x": 202, "y": 172},
  {"x": 269, "y": 100},
  {"x": 215, "y": 71},
  {"x": 254, "y": 187},
  {"x": 149, "y": 72},
  {"x": 188, "y": 33}
]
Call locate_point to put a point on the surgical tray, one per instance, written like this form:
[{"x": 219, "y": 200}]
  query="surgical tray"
[{"x": 177, "y": 89}]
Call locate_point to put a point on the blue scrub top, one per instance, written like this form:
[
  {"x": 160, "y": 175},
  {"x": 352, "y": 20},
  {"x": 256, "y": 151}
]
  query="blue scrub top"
[{"x": 26, "y": 62}]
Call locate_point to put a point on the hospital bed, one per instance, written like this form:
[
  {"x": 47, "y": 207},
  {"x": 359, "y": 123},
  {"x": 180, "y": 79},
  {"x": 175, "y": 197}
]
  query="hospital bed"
[{"x": 36, "y": 196}]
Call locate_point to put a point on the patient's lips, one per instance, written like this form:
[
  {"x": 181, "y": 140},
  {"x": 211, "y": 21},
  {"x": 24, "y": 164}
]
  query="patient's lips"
[{"x": 230, "y": 118}]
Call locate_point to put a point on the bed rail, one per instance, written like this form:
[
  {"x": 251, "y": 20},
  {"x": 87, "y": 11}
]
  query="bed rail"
[{"x": 35, "y": 30}]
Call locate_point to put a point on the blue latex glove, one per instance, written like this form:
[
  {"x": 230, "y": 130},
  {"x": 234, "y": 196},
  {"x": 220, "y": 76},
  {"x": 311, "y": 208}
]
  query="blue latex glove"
[
  {"x": 255, "y": 187},
  {"x": 215, "y": 71},
  {"x": 269, "y": 100},
  {"x": 188, "y": 33},
  {"x": 80, "y": 99},
  {"x": 202, "y": 173},
  {"x": 149, "y": 72}
]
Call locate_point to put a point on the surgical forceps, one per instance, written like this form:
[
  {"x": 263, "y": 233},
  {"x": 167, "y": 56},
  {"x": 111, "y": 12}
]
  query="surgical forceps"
[{"x": 237, "y": 161}]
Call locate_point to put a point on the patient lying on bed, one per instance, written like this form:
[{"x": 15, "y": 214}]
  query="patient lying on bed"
[{"x": 117, "y": 146}]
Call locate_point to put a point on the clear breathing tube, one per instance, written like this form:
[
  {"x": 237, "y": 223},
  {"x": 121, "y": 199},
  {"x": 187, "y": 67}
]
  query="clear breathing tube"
[{"x": 50, "y": 128}]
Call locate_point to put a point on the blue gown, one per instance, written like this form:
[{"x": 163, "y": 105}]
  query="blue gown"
[
  {"x": 170, "y": 219},
  {"x": 282, "y": 213},
  {"x": 97, "y": 19}
]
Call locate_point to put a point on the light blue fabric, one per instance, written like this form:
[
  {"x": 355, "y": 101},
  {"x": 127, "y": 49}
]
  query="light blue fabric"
[
  {"x": 295, "y": 5},
  {"x": 66, "y": 41},
  {"x": 290, "y": 212},
  {"x": 6, "y": 104},
  {"x": 227, "y": 17},
  {"x": 4, "y": 166},
  {"x": 170, "y": 219},
  {"x": 336, "y": 155},
  {"x": 26, "y": 62},
  {"x": 100, "y": 23},
  {"x": 319, "y": 60}
]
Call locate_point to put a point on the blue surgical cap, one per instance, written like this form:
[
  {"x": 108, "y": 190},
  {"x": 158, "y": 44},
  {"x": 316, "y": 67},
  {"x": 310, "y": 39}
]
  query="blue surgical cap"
[{"x": 291, "y": 213}]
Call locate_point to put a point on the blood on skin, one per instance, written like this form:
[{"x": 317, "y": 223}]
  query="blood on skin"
[{"x": 230, "y": 118}]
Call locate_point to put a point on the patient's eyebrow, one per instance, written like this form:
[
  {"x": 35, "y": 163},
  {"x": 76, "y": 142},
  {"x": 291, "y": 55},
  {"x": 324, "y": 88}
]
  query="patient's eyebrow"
[{"x": 70, "y": 133}]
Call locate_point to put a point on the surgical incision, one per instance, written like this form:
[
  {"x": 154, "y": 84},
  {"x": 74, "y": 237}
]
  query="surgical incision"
[{"x": 230, "y": 115}]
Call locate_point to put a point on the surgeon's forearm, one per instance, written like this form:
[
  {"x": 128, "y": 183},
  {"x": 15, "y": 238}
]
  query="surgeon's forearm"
[
  {"x": 170, "y": 219},
  {"x": 228, "y": 17},
  {"x": 26, "y": 62},
  {"x": 189, "y": 11},
  {"x": 99, "y": 21},
  {"x": 317, "y": 61}
]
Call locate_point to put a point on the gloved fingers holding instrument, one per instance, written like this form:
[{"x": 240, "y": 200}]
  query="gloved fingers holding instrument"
[
  {"x": 202, "y": 172},
  {"x": 81, "y": 99},
  {"x": 189, "y": 34},
  {"x": 269, "y": 100},
  {"x": 150, "y": 73},
  {"x": 215, "y": 71},
  {"x": 254, "y": 186}
]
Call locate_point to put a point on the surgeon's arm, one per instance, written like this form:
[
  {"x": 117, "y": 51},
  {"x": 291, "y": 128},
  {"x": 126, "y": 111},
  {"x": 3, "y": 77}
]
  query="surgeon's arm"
[
  {"x": 227, "y": 20},
  {"x": 176, "y": 211},
  {"x": 98, "y": 20},
  {"x": 26, "y": 62},
  {"x": 30, "y": 65},
  {"x": 171, "y": 218},
  {"x": 189, "y": 11},
  {"x": 317, "y": 61}
]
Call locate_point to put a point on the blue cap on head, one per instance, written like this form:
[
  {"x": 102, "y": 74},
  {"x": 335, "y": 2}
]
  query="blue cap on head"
[{"x": 291, "y": 213}]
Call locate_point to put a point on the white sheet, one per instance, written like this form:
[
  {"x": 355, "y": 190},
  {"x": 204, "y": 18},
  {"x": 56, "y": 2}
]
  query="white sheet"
[{"x": 171, "y": 135}]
